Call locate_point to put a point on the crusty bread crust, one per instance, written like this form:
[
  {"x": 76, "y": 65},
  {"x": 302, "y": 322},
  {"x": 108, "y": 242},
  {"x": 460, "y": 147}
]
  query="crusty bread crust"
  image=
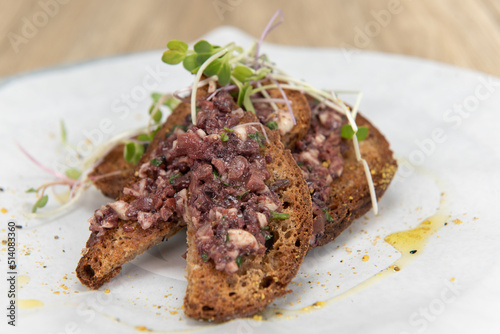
[
  {"x": 217, "y": 296},
  {"x": 350, "y": 197},
  {"x": 103, "y": 256}
]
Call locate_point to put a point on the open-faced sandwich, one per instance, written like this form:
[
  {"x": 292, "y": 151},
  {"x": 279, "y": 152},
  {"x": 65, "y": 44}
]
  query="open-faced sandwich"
[{"x": 259, "y": 166}]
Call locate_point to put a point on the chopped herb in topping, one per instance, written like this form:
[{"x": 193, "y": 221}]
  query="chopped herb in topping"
[
  {"x": 347, "y": 132},
  {"x": 279, "y": 215},
  {"x": 40, "y": 203},
  {"x": 241, "y": 196},
  {"x": 300, "y": 164},
  {"x": 215, "y": 172},
  {"x": 173, "y": 177},
  {"x": 156, "y": 162},
  {"x": 228, "y": 129},
  {"x": 227, "y": 237},
  {"x": 265, "y": 228},
  {"x": 268, "y": 236},
  {"x": 327, "y": 215},
  {"x": 224, "y": 136},
  {"x": 225, "y": 183},
  {"x": 272, "y": 125},
  {"x": 238, "y": 261},
  {"x": 258, "y": 137},
  {"x": 204, "y": 257}
]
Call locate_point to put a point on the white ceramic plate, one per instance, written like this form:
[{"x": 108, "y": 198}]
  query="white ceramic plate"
[{"x": 442, "y": 123}]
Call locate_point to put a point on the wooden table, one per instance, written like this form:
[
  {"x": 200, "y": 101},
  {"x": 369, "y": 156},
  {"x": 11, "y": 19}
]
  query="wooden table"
[{"x": 41, "y": 33}]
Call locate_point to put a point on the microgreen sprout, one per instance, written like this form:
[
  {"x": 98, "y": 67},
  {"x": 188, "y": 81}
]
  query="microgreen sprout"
[{"x": 239, "y": 260}]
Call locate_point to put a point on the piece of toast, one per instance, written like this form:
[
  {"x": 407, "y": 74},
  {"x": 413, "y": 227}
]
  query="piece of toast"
[
  {"x": 103, "y": 256},
  {"x": 350, "y": 197},
  {"x": 214, "y": 295}
]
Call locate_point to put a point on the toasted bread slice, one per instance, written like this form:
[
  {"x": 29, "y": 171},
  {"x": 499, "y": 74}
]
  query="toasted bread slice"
[
  {"x": 214, "y": 295},
  {"x": 104, "y": 255},
  {"x": 350, "y": 197}
]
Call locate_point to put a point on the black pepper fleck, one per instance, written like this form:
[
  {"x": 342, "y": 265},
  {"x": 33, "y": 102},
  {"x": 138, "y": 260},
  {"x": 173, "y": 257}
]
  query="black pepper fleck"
[{"x": 413, "y": 251}]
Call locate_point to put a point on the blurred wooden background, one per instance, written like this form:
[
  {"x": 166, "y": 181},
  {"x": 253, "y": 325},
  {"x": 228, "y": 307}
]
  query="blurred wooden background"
[{"x": 41, "y": 33}]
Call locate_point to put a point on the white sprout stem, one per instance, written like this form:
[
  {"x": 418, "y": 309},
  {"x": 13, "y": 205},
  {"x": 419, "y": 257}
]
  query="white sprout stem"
[
  {"x": 267, "y": 96},
  {"x": 355, "y": 109},
  {"x": 287, "y": 101},
  {"x": 369, "y": 179},
  {"x": 269, "y": 100},
  {"x": 257, "y": 124},
  {"x": 63, "y": 207},
  {"x": 202, "y": 68}
]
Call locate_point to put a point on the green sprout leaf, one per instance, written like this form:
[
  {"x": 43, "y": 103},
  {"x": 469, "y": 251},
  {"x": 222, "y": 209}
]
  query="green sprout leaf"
[
  {"x": 242, "y": 73},
  {"x": 63, "y": 133},
  {"x": 239, "y": 259},
  {"x": 31, "y": 190},
  {"x": 190, "y": 64},
  {"x": 347, "y": 132},
  {"x": 40, "y": 203},
  {"x": 170, "y": 102},
  {"x": 133, "y": 152},
  {"x": 144, "y": 137},
  {"x": 204, "y": 257},
  {"x": 244, "y": 97},
  {"x": 73, "y": 173},
  {"x": 268, "y": 236},
  {"x": 156, "y": 162},
  {"x": 279, "y": 215},
  {"x": 272, "y": 125},
  {"x": 176, "y": 52},
  {"x": 224, "y": 136}
]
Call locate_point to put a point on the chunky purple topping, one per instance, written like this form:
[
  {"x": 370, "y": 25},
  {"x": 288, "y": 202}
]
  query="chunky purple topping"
[
  {"x": 319, "y": 156},
  {"x": 212, "y": 175}
]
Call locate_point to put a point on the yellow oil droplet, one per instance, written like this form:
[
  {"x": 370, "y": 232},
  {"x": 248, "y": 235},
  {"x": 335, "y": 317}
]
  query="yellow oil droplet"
[
  {"x": 22, "y": 280},
  {"x": 452, "y": 279},
  {"x": 365, "y": 258},
  {"x": 457, "y": 221},
  {"x": 107, "y": 291},
  {"x": 142, "y": 328},
  {"x": 257, "y": 317},
  {"x": 4, "y": 210},
  {"x": 29, "y": 303},
  {"x": 407, "y": 242}
]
